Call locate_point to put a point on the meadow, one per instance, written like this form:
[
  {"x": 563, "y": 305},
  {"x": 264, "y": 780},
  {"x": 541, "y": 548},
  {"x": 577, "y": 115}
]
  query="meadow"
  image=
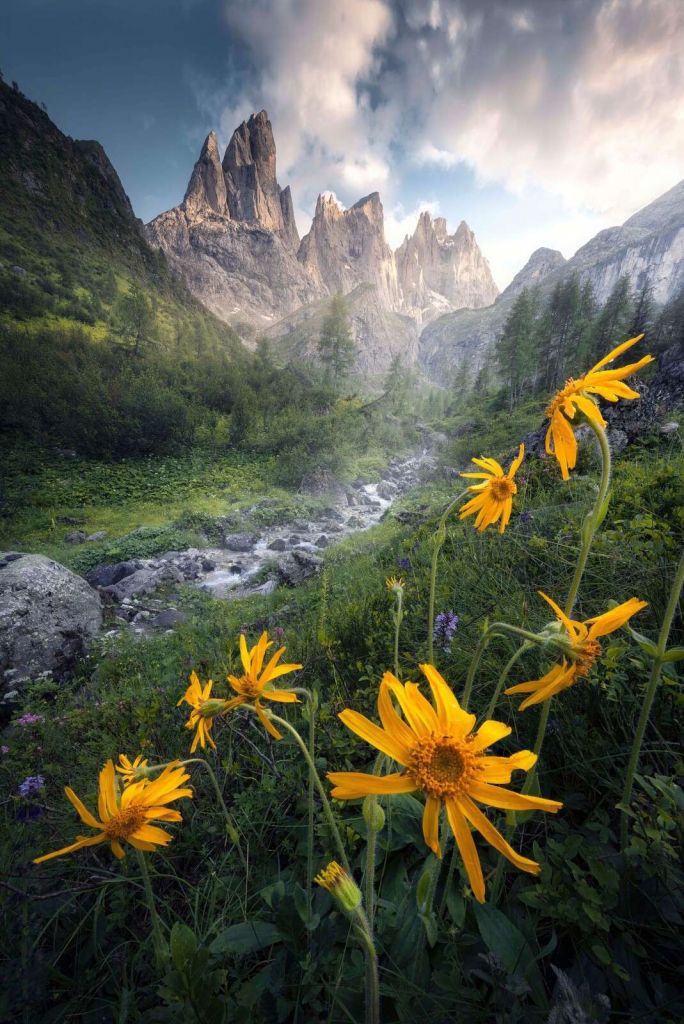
[{"x": 224, "y": 923}]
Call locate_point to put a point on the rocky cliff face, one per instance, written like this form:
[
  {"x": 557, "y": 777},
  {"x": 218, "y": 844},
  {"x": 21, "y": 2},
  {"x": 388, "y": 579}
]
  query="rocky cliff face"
[
  {"x": 346, "y": 248},
  {"x": 438, "y": 271},
  {"x": 235, "y": 241}
]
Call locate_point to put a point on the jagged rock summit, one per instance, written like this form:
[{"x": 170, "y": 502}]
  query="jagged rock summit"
[
  {"x": 234, "y": 239},
  {"x": 438, "y": 271}
]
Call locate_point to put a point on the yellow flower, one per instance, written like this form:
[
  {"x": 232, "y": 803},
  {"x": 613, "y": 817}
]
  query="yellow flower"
[
  {"x": 252, "y": 686},
  {"x": 131, "y": 771},
  {"x": 340, "y": 885},
  {"x": 127, "y": 816},
  {"x": 394, "y": 584},
  {"x": 583, "y": 649},
  {"x": 575, "y": 395},
  {"x": 204, "y": 711},
  {"x": 448, "y": 761},
  {"x": 494, "y": 497}
]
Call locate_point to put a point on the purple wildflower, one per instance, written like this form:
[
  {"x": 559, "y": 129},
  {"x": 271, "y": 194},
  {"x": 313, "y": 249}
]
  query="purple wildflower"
[
  {"x": 404, "y": 564},
  {"x": 4, "y": 749},
  {"x": 525, "y": 517},
  {"x": 278, "y": 633},
  {"x": 29, "y": 719},
  {"x": 32, "y": 785},
  {"x": 444, "y": 630}
]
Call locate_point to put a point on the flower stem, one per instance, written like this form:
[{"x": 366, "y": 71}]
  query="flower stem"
[
  {"x": 501, "y": 682},
  {"x": 495, "y": 629},
  {"x": 398, "y": 616},
  {"x": 658, "y": 658},
  {"x": 157, "y": 938},
  {"x": 319, "y": 786},
  {"x": 231, "y": 827},
  {"x": 439, "y": 538},
  {"x": 310, "y": 808},
  {"x": 591, "y": 524},
  {"x": 363, "y": 933}
]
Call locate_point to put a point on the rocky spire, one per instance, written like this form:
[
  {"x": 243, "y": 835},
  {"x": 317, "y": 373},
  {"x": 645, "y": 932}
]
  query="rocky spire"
[
  {"x": 345, "y": 248},
  {"x": 207, "y": 188},
  {"x": 433, "y": 266},
  {"x": 252, "y": 191}
]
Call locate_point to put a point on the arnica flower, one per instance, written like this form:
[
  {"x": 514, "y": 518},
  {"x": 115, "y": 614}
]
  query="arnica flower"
[
  {"x": 254, "y": 686},
  {"x": 576, "y": 395},
  {"x": 583, "y": 649},
  {"x": 340, "y": 885},
  {"x": 131, "y": 771},
  {"x": 493, "y": 499},
  {"x": 394, "y": 584},
  {"x": 444, "y": 758},
  {"x": 204, "y": 711},
  {"x": 444, "y": 630},
  {"x": 127, "y": 816}
]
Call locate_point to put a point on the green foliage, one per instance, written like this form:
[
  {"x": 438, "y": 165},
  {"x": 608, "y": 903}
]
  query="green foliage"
[{"x": 335, "y": 345}]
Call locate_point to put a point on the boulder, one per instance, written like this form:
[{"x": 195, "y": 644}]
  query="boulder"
[
  {"x": 107, "y": 575},
  {"x": 239, "y": 541},
  {"x": 301, "y": 565},
  {"x": 386, "y": 490},
  {"x": 277, "y": 545},
  {"x": 322, "y": 541},
  {"x": 48, "y": 615},
  {"x": 168, "y": 618},
  {"x": 144, "y": 581},
  {"x": 75, "y": 537},
  {"x": 99, "y": 535}
]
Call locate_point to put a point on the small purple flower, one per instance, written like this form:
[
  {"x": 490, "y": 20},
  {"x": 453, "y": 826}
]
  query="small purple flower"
[
  {"x": 32, "y": 785},
  {"x": 278, "y": 633},
  {"x": 444, "y": 630},
  {"x": 4, "y": 749},
  {"x": 29, "y": 719},
  {"x": 525, "y": 518},
  {"x": 404, "y": 564}
]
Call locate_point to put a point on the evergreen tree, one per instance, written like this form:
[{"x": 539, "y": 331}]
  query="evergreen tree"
[
  {"x": 133, "y": 318},
  {"x": 336, "y": 348},
  {"x": 613, "y": 322},
  {"x": 669, "y": 326},
  {"x": 643, "y": 314},
  {"x": 514, "y": 350}
]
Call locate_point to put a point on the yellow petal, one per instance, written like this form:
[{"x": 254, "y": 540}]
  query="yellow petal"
[
  {"x": 495, "y": 796},
  {"x": 373, "y": 734},
  {"x": 351, "y": 785},
  {"x": 84, "y": 814},
  {"x": 494, "y": 837},
  {"x": 611, "y": 620},
  {"x": 78, "y": 845},
  {"x": 280, "y": 696},
  {"x": 489, "y": 733},
  {"x": 244, "y": 655},
  {"x": 571, "y": 627},
  {"x": 500, "y": 769},
  {"x": 152, "y": 834},
  {"x": 467, "y": 849},
  {"x": 391, "y": 722},
  {"x": 451, "y": 715},
  {"x": 431, "y": 824},
  {"x": 615, "y": 353},
  {"x": 515, "y": 464},
  {"x": 267, "y": 724}
]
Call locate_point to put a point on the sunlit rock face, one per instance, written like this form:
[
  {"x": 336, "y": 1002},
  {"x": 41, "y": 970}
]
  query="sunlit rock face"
[
  {"x": 438, "y": 272},
  {"x": 346, "y": 248}
]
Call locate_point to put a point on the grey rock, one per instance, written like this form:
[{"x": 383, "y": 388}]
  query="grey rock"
[
  {"x": 277, "y": 545},
  {"x": 301, "y": 565},
  {"x": 618, "y": 440},
  {"x": 168, "y": 618},
  {"x": 669, "y": 428},
  {"x": 47, "y": 617},
  {"x": 239, "y": 541},
  {"x": 144, "y": 581},
  {"x": 75, "y": 537},
  {"x": 99, "y": 535},
  {"x": 322, "y": 541},
  {"x": 301, "y": 525},
  {"x": 386, "y": 490},
  {"x": 106, "y": 575},
  {"x": 208, "y": 564}
]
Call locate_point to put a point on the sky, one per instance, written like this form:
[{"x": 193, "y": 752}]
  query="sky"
[{"x": 537, "y": 122}]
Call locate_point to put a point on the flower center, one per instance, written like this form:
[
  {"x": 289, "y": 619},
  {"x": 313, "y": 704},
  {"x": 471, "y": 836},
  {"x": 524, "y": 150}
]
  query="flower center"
[
  {"x": 126, "y": 822},
  {"x": 571, "y": 387},
  {"x": 587, "y": 655},
  {"x": 501, "y": 488},
  {"x": 441, "y": 765}
]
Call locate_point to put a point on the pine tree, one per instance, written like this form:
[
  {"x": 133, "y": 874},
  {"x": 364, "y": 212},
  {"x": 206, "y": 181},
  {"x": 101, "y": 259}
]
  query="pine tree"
[
  {"x": 514, "y": 349},
  {"x": 133, "y": 318},
  {"x": 643, "y": 314},
  {"x": 336, "y": 348},
  {"x": 613, "y": 322}
]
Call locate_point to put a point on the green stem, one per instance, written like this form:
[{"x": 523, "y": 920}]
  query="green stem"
[
  {"x": 372, "y": 1000},
  {"x": 453, "y": 861},
  {"x": 440, "y": 537},
  {"x": 658, "y": 658},
  {"x": 319, "y": 786},
  {"x": 591, "y": 524},
  {"x": 310, "y": 819},
  {"x": 231, "y": 827},
  {"x": 496, "y": 628},
  {"x": 370, "y": 878},
  {"x": 504, "y": 676},
  {"x": 398, "y": 616},
  {"x": 157, "y": 938}
]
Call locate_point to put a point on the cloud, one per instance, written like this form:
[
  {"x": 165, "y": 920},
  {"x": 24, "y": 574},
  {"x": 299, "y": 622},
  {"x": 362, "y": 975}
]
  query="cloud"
[{"x": 580, "y": 99}]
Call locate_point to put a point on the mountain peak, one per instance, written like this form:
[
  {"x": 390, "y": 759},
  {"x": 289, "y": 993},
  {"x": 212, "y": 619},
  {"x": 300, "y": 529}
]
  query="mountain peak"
[{"x": 206, "y": 188}]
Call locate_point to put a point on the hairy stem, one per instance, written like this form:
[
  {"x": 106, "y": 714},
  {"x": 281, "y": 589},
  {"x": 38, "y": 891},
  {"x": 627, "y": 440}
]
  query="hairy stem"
[
  {"x": 157, "y": 938},
  {"x": 658, "y": 658}
]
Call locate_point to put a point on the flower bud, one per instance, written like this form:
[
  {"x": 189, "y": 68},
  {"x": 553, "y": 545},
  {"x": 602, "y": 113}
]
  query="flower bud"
[
  {"x": 212, "y": 707},
  {"x": 341, "y": 886},
  {"x": 373, "y": 814}
]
